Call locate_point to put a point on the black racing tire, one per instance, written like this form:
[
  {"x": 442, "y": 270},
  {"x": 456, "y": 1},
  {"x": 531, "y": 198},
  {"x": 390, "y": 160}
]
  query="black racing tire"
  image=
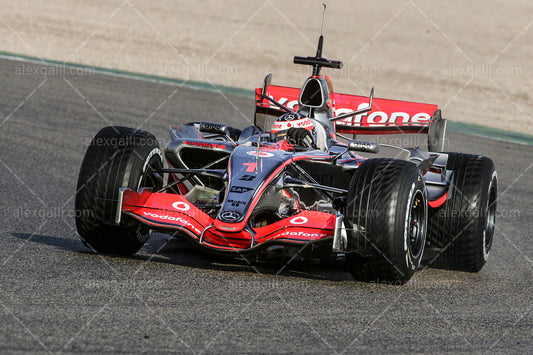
[
  {"x": 386, "y": 221},
  {"x": 462, "y": 229},
  {"x": 117, "y": 157}
]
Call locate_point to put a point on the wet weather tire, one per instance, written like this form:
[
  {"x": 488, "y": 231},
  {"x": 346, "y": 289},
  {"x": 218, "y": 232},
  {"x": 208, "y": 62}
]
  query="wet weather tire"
[
  {"x": 462, "y": 229},
  {"x": 117, "y": 157},
  {"x": 386, "y": 220}
]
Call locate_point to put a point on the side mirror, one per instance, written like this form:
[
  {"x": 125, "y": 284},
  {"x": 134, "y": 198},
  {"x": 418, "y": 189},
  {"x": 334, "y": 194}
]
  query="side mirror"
[
  {"x": 362, "y": 146},
  {"x": 358, "y": 146},
  {"x": 212, "y": 127}
]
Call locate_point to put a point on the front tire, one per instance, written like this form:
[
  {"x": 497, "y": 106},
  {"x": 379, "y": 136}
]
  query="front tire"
[
  {"x": 386, "y": 221},
  {"x": 117, "y": 157},
  {"x": 463, "y": 228}
]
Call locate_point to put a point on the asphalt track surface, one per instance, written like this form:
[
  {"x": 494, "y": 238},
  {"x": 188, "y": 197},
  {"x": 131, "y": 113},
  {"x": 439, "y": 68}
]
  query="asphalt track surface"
[{"x": 58, "y": 296}]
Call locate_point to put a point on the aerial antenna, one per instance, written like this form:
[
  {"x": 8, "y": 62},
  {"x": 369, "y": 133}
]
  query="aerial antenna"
[
  {"x": 316, "y": 69},
  {"x": 323, "y": 16},
  {"x": 317, "y": 61}
]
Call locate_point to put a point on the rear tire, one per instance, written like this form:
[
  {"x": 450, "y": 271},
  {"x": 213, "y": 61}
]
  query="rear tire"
[
  {"x": 117, "y": 157},
  {"x": 386, "y": 221},
  {"x": 463, "y": 228}
]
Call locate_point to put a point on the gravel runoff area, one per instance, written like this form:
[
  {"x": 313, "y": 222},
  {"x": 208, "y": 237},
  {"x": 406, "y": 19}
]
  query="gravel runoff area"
[{"x": 471, "y": 58}]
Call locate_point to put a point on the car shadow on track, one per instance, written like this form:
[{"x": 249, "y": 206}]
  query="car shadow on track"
[
  {"x": 165, "y": 249},
  {"x": 162, "y": 248},
  {"x": 58, "y": 242}
]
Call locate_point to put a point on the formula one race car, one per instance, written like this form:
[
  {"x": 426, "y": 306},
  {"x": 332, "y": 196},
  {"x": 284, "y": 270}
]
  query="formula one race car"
[{"x": 289, "y": 183}]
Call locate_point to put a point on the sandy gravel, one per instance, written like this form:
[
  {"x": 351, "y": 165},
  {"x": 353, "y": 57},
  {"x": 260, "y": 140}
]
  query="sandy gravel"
[{"x": 472, "y": 58}]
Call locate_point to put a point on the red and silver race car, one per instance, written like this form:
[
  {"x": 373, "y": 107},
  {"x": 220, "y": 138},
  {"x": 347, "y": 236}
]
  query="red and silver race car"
[{"x": 292, "y": 183}]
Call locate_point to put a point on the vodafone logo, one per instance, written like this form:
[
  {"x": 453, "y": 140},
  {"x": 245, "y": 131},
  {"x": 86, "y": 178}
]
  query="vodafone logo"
[
  {"x": 205, "y": 145},
  {"x": 301, "y": 123},
  {"x": 299, "y": 220},
  {"x": 303, "y": 234},
  {"x": 260, "y": 154},
  {"x": 382, "y": 118},
  {"x": 181, "y": 206},
  {"x": 387, "y": 112},
  {"x": 178, "y": 220}
]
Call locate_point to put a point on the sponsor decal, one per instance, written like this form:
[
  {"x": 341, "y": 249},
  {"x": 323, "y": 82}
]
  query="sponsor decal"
[
  {"x": 288, "y": 117},
  {"x": 230, "y": 216},
  {"x": 380, "y": 118},
  {"x": 236, "y": 203},
  {"x": 373, "y": 118},
  {"x": 179, "y": 220},
  {"x": 299, "y": 220},
  {"x": 364, "y": 146},
  {"x": 247, "y": 177},
  {"x": 261, "y": 154},
  {"x": 302, "y": 234},
  {"x": 240, "y": 189},
  {"x": 301, "y": 123},
  {"x": 211, "y": 126},
  {"x": 181, "y": 206},
  {"x": 205, "y": 145}
]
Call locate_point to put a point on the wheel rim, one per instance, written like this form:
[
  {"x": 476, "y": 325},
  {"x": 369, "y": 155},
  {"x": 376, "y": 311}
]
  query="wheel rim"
[
  {"x": 417, "y": 220},
  {"x": 491, "y": 219},
  {"x": 149, "y": 178}
]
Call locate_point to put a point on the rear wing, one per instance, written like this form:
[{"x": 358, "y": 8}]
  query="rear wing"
[{"x": 386, "y": 116}]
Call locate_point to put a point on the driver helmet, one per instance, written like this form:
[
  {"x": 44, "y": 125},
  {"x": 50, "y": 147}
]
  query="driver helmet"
[{"x": 281, "y": 126}]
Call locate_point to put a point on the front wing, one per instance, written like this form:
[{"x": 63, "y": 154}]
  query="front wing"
[{"x": 173, "y": 212}]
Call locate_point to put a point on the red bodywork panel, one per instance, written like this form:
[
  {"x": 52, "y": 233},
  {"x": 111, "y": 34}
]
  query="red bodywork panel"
[
  {"x": 439, "y": 201},
  {"x": 386, "y": 117},
  {"x": 165, "y": 210},
  {"x": 175, "y": 212}
]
